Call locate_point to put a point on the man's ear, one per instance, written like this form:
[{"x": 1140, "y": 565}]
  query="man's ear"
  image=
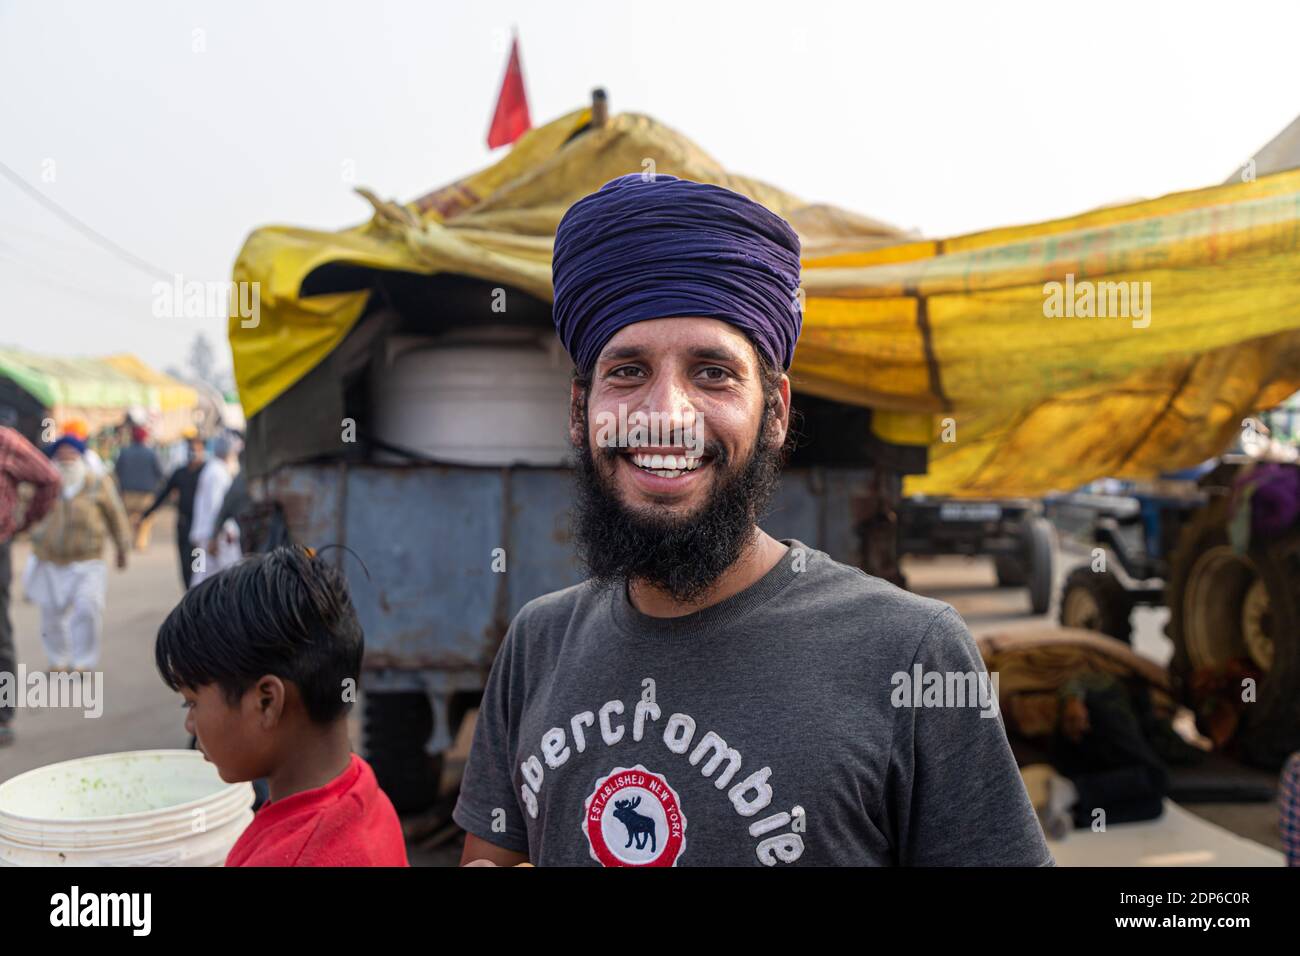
[
  {"x": 782, "y": 418},
  {"x": 270, "y": 693},
  {"x": 577, "y": 413}
]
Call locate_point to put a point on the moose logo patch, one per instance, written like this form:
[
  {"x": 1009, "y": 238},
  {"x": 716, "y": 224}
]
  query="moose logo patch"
[{"x": 633, "y": 818}]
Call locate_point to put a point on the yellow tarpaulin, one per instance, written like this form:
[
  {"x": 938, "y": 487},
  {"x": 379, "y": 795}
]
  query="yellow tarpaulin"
[
  {"x": 168, "y": 393},
  {"x": 1019, "y": 386}
]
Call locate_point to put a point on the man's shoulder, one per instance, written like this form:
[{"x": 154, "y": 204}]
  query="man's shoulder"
[
  {"x": 553, "y": 611},
  {"x": 850, "y": 588},
  {"x": 872, "y": 614}
]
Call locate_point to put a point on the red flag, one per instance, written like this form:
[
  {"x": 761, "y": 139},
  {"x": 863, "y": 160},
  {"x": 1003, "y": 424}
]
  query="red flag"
[{"x": 511, "y": 119}]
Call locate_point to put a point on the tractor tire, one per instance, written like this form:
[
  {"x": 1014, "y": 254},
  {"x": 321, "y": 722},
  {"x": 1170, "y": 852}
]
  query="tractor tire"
[
  {"x": 1011, "y": 573},
  {"x": 1096, "y": 601},
  {"x": 1205, "y": 534},
  {"x": 1227, "y": 606},
  {"x": 1271, "y": 730},
  {"x": 396, "y": 728},
  {"x": 1038, "y": 563}
]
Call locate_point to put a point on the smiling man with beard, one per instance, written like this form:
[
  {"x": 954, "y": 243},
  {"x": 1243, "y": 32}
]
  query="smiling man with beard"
[{"x": 711, "y": 695}]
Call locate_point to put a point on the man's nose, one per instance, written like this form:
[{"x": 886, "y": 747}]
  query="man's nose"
[{"x": 669, "y": 398}]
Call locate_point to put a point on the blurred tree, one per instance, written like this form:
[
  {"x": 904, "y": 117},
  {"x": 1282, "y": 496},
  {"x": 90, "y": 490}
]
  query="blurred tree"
[{"x": 202, "y": 360}]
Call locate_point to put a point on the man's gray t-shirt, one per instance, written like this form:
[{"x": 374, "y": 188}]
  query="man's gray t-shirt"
[{"x": 798, "y": 721}]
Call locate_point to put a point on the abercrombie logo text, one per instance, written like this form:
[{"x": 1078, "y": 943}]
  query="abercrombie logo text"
[{"x": 749, "y": 791}]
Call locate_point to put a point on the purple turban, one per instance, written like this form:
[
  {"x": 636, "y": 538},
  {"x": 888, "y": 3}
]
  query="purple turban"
[
  {"x": 654, "y": 248},
  {"x": 70, "y": 440}
]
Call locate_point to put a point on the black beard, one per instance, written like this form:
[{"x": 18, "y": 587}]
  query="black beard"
[{"x": 683, "y": 556}]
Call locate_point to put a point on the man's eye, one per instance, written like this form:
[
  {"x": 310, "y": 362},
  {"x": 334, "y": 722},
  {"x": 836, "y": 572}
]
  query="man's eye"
[
  {"x": 625, "y": 371},
  {"x": 715, "y": 373},
  {"x": 186, "y": 704}
]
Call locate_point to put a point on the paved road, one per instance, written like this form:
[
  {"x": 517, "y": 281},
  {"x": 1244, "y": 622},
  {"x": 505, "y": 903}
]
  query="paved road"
[
  {"x": 139, "y": 712},
  {"x": 970, "y": 586}
]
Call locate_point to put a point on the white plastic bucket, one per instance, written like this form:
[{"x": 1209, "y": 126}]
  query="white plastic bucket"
[{"x": 142, "y": 808}]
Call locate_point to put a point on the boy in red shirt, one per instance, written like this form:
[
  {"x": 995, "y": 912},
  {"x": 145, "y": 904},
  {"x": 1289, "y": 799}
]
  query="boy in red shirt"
[{"x": 266, "y": 655}]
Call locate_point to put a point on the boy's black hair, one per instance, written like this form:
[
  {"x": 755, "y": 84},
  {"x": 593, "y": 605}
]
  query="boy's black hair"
[{"x": 286, "y": 613}]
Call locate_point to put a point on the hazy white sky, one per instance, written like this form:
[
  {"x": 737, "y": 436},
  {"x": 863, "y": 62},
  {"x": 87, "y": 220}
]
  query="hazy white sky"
[{"x": 945, "y": 116}]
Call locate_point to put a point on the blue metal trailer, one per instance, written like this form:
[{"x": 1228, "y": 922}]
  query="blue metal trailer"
[{"x": 439, "y": 558}]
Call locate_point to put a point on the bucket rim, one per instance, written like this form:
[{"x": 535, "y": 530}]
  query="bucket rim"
[
  {"x": 226, "y": 792},
  {"x": 9, "y": 844},
  {"x": 69, "y": 831}
]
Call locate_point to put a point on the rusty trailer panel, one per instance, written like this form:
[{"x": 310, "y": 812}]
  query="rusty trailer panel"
[{"x": 440, "y": 558}]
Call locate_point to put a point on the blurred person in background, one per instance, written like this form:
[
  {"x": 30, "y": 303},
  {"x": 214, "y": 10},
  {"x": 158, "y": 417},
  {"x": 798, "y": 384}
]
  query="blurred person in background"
[
  {"x": 139, "y": 475},
  {"x": 177, "y": 454},
  {"x": 20, "y": 463},
  {"x": 230, "y": 534},
  {"x": 184, "y": 481},
  {"x": 1289, "y": 809},
  {"x": 78, "y": 428},
  {"x": 1112, "y": 749},
  {"x": 66, "y": 576},
  {"x": 217, "y": 552}
]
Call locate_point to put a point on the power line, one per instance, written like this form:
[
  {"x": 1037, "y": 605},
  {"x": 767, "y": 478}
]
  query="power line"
[
  {"x": 123, "y": 307},
  {"x": 36, "y": 272},
  {"x": 99, "y": 238}
]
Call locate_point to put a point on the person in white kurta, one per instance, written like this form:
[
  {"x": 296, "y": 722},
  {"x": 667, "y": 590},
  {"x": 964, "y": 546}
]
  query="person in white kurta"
[
  {"x": 214, "y": 482},
  {"x": 94, "y": 464},
  {"x": 66, "y": 575},
  {"x": 71, "y": 599}
]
